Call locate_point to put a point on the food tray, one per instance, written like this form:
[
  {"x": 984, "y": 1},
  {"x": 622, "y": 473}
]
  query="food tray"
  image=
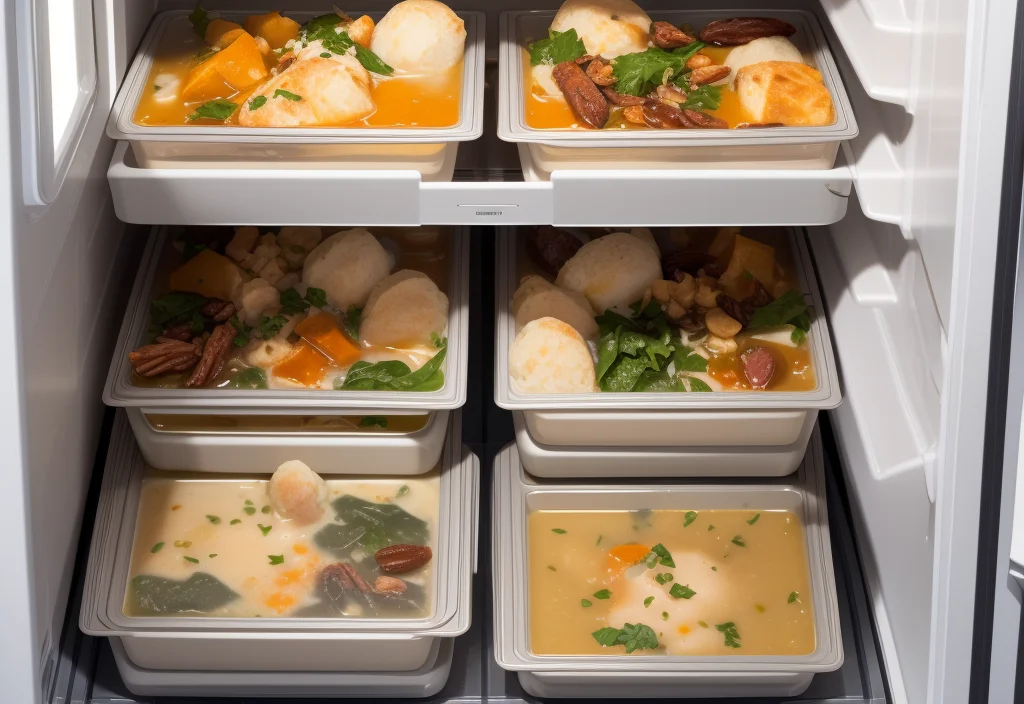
[
  {"x": 558, "y": 462},
  {"x": 776, "y": 148},
  {"x": 216, "y": 643},
  {"x": 119, "y": 390},
  {"x": 515, "y": 494},
  {"x": 430, "y": 151},
  {"x": 425, "y": 681},
  {"x": 750, "y": 418},
  {"x": 346, "y": 452}
]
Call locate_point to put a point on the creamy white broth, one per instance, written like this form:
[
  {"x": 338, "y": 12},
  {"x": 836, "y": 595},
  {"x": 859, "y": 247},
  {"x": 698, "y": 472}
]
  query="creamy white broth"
[{"x": 206, "y": 520}]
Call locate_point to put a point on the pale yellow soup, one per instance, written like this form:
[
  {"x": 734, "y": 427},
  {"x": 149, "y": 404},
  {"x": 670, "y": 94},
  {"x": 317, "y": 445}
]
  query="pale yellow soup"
[
  {"x": 588, "y": 570},
  {"x": 227, "y": 529}
]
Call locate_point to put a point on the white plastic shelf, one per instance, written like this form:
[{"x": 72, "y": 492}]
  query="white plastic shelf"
[{"x": 233, "y": 196}]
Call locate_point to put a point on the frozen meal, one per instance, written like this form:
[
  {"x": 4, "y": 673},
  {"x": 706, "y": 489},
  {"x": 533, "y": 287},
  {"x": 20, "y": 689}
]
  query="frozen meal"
[
  {"x": 270, "y": 70},
  {"x": 688, "y": 310},
  {"x": 299, "y": 308},
  {"x": 668, "y": 582},
  {"x": 293, "y": 545},
  {"x": 605, "y": 64}
]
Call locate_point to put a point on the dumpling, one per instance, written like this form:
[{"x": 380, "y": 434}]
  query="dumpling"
[
  {"x": 403, "y": 310},
  {"x": 420, "y": 36},
  {"x": 607, "y": 27},
  {"x": 315, "y": 91},
  {"x": 543, "y": 79},
  {"x": 298, "y": 493},
  {"x": 347, "y": 265},
  {"x": 550, "y": 357},
  {"x": 612, "y": 271},
  {"x": 786, "y": 92},
  {"x": 538, "y": 298},
  {"x": 759, "y": 51}
]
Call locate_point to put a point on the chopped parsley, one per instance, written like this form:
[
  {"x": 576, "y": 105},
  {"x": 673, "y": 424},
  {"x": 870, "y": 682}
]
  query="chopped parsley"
[
  {"x": 560, "y": 531},
  {"x": 325, "y": 54},
  {"x": 214, "y": 110},
  {"x": 235, "y": 520},
  {"x": 160, "y": 546},
  {"x": 266, "y": 509},
  {"x": 257, "y": 102},
  {"x": 192, "y": 560},
  {"x": 702, "y": 624},
  {"x": 213, "y": 519},
  {"x": 664, "y": 615},
  {"x": 665, "y": 555},
  {"x": 276, "y": 559},
  {"x": 558, "y": 48},
  {"x": 552, "y": 568},
  {"x": 711, "y": 527},
  {"x": 250, "y": 510},
  {"x": 634, "y": 636},
  {"x": 586, "y": 603},
  {"x": 713, "y": 568},
  {"x": 648, "y": 601},
  {"x": 793, "y": 596},
  {"x": 738, "y": 540},
  {"x": 759, "y": 608},
  {"x": 599, "y": 539},
  {"x": 287, "y": 95},
  {"x": 212, "y": 555},
  {"x": 732, "y": 636},
  {"x": 182, "y": 543},
  {"x": 438, "y": 341},
  {"x": 688, "y": 518},
  {"x": 603, "y": 594},
  {"x": 264, "y": 529},
  {"x": 680, "y": 591},
  {"x": 753, "y": 520},
  {"x": 663, "y": 578}
]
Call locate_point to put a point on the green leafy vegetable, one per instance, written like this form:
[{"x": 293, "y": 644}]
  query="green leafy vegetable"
[
  {"x": 421, "y": 376},
  {"x": 191, "y": 559},
  {"x": 270, "y": 326},
  {"x": 713, "y": 568},
  {"x": 702, "y": 624},
  {"x": 586, "y": 603},
  {"x": 702, "y": 98},
  {"x": 697, "y": 384},
  {"x": 264, "y": 529},
  {"x": 798, "y": 336},
  {"x": 369, "y": 526},
  {"x": 754, "y": 520},
  {"x": 648, "y": 601},
  {"x": 249, "y": 378},
  {"x": 738, "y": 540},
  {"x": 599, "y": 539},
  {"x": 641, "y": 72},
  {"x": 711, "y": 527},
  {"x": 789, "y": 308},
  {"x": 212, "y": 555},
  {"x": 393, "y": 375},
  {"x": 351, "y": 321},
  {"x": 624, "y": 374},
  {"x": 371, "y": 62},
  {"x": 681, "y": 591},
  {"x": 248, "y": 502},
  {"x": 732, "y": 636},
  {"x": 688, "y": 518},
  {"x": 200, "y": 20},
  {"x": 235, "y": 521},
  {"x": 243, "y": 330},
  {"x": 266, "y": 509},
  {"x": 607, "y": 351},
  {"x": 664, "y": 615},
  {"x": 793, "y": 596},
  {"x": 603, "y": 594},
  {"x": 325, "y": 55},
  {"x": 250, "y": 510},
  {"x": 292, "y": 302},
  {"x": 664, "y": 554},
  {"x": 214, "y": 110},
  {"x": 200, "y": 593},
  {"x": 158, "y": 547},
  {"x": 560, "y": 531},
  {"x": 257, "y": 102},
  {"x": 634, "y": 636},
  {"x": 438, "y": 341},
  {"x": 276, "y": 559},
  {"x": 760, "y": 608},
  {"x": 287, "y": 95},
  {"x": 316, "y": 297},
  {"x": 373, "y": 422},
  {"x": 607, "y": 636},
  {"x": 175, "y": 307},
  {"x": 213, "y": 519},
  {"x": 558, "y": 48},
  {"x": 663, "y": 577},
  {"x": 687, "y": 360}
]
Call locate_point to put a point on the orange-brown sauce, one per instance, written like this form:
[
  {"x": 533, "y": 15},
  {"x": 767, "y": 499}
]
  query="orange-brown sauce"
[
  {"x": 402, "y": 100},
  {"x": 793, "y": 369}
]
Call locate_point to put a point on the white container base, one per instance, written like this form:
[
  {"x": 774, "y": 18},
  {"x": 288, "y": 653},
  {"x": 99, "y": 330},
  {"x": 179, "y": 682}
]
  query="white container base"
[
  {"x": 426, "y": 681},
  {"x": 662, "y": 685},
  {"x": 557, "y": 462},
  {"x": 345, "y": 453},
  {"x": 690, "y": 429}
]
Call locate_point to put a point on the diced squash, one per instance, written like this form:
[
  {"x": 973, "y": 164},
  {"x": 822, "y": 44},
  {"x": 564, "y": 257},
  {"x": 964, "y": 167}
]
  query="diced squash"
[
  {"x": 220, "y": 33},
  {"x": 208, "y": 274},
  {"x": 304, "y": 366},
  {"x": 750, "y": 260},
  {"x": 721, "y": 246},
  {"x": 321, "y": 331},
  {"x": 277, "y": 30},
  {"x": 236, "y": 67},
  {"x": 361, "y": 31}
]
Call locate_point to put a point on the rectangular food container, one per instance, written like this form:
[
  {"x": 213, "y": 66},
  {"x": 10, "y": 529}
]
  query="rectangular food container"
[
  {"x": 726, "y": 420},
  {"x": 430, "y": 151},
  {"x": 516, "y": 495},
  {"x": 279, "y": 644},
  {"x": 350, "y": 451},
  {"x": 768, "y": 148},
  {"x": 119, "y": 390},
  {"x": 563, "y": 462}
]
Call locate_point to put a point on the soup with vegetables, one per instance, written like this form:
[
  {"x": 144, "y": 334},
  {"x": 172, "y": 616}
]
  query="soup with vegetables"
[
  {"x": 291, "y": 546},
  {"x": 716, "y": 582}
]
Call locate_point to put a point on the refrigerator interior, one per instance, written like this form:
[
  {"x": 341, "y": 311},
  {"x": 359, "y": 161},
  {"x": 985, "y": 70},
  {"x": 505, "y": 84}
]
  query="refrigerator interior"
[{"x": 904, "y": 235}]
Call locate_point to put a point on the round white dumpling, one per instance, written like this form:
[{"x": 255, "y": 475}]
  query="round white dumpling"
[
  {"x": 347, "y": 265},
  {"x": 550, "y": 357},
  {"x": 538, "y": 298},
  {"x": 544, "y": 79},
  {"x": 612, "y": 271},
  {"x": 403, "y": 310},
  {"x": 420, "y": 36},
  {"x": 607, "y": 27},
  {"x": 759, "y": 51},
  {"x": 298, "y": 493}
]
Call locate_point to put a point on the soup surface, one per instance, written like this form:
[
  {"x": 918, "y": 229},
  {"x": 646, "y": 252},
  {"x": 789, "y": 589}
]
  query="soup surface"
[
  {"x": 716, "y": 582},
  {"x": 218, "y": 547}
]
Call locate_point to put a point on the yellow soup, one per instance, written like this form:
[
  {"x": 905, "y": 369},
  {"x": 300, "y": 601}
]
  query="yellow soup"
[{"x": 718, "y": 582}]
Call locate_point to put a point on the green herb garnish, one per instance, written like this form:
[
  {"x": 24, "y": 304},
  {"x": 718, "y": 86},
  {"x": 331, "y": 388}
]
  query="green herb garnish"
[
  {"x": 688, "y": 518},
  {"x": 213, "y": 519},
  {"x": 257, "y": 102},
  {"x": 438, "y": 341},
  {"x": 325, "y": 54},
  {"x": 182, "y": 543},
  {"x": 270, "y": 326},
  {"x": 250, "y": 510},
  {"x": 641, "y": 72},
  {"x": 351, "y": 321},
  {"x": 759, "y": 608},
  {"x": 711, "y": 527},
  {"x": 192, "y": 559},
  {"x": 663, "y": 577},
  {"x": 664, "y": 554},
  {"x": 648, "y": 601},
  {"x": 248, "y": 502},
  {"x": 793, "y": 596},
  {"x": 586, "y": 603},
  {"x": 738, "y": 540},
  {"x": 402, "y": 491},
  {"x": 373, "y": 422},
  {"x": 788, "y": 309},
  {"x": 680, "y": 591},
  {"x": 235, "y": 520},
  {"x": 276, "y": 559},
  {"x": 214, "y": 110},
  {"x": 267, "y": 509},
  {"x": 633, "y": 636},
  {"x": 664, "y": 615},
  {"x": 560, "y": 531},
  {"x": 160, "y": 546},
  {"x": 264, "y": 529},
  {"x": 603, "y": 594},
  {"x": 200, "y": 20},
  {"x": 212, "y": 555},
  {"x": 753, "y": 520},
  {"x": 702, "y": 624},
  {"x": 287, "y": 95},
  {"x": 732, "y": 636},
  {"x": 558, "y": 48},
  {"x": 551, "y": 567}
]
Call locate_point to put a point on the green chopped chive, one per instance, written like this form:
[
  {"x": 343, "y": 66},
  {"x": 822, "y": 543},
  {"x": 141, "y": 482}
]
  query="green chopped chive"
[
  {"x": 753, "y": 520},
  {"x": 287, "y": 95},
  {"x": 276, "y": 559},
  {"x": 793, "y": 596},
  {"x": 551, "y": 567},
  {"x": 160, "y": 546},
  {"x": 586, "y": 603},
  {"x": 664, "y": 615},
  {"x": 738, "y": 540},
  {"x": 192, "y": 559},
  {"x": 235, "y": 520},
  {"x": 647, "y": 601},
  {"x": 264, "y": 529},
  {"x": 663, "y": 577},
  {"x": 267, "y": 510},
  {"x": 325, "y": 54},
  {"x": 664, "y": 555},
  {"x": 689, "y": 518},
  {"x": 182, "y": 543},
  {"x": 651, "y": 560},
  {"x": 213, "y": 554},
  {"x": 213, "y": 519},
  {"x": 250, "y": 510},
  {"x": 711, "y": 527},
  {"x": 681, "y": 591},
  {"x": 702, "y": 624},
  {"x": 560, "y": 531},
  {"x": 603, "y": 594},
  {"x": 759, "y": 608}
]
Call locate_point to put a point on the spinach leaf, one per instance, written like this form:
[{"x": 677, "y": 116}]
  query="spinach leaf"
[
  {"x": 687, "y": 360},
  {"x": 696, "y": 384},
  {"x": 641, "y": 72},
  {"x": 558, "y": 48},
  {"x": 200, "y": 20},
  {"x": 624, "y": 374},
  {"x": 380, "y": 373},
  {"x": 789, "y": 308},
  {"x": 609, "y": 320},
  {"x": 410, "y": 381},
  {"x": 175, "y": 306},
  {"x": 433, "y": 383},
  {"x": 607, "y": 351},
  {"x": 369, "y": 526},
  {"x": 351, "y": 321},
  {"x": 371, "y": 62},
  {"x": 157, "y": 596},
  {"x": 638, "y": 637},
  {"x": 251, "y": 378},
  {"x": 214, "y": 110},
  {"x": 652, "y": 380}
]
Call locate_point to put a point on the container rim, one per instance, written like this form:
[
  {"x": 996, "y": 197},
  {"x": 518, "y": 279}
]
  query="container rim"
[
  {"x": 512, "y": 487},
  {"x": 114, "y": 533},
  {"x": 386, "y": 438},
  {"x": 512, "y": 125},
  {"x": 119, "y": 390},
  {"x": 827, "y": 395},
  {"x": 469, "y": 127}
]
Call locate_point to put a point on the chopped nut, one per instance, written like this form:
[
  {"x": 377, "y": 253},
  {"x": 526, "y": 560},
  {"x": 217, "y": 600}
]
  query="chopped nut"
[
  {"x": 685, "y": 291},
  {"x": 721, "y": 324},
  {"x": 665, "y": 35},
  {"x": 214, "y": 355},
  {"x": 659, "y": 289},
  {"x": 698, "y": 61},
  {"x": 706, "y": 296},
  {"x": 389, "y": 585},
  {"x": 708, "y": 74},
  {"x": 165, "y": 356},
  {"x": 720, "y": 345},
  {"x": 674, "y": 310},
  {"x": 361, "y": 31}
]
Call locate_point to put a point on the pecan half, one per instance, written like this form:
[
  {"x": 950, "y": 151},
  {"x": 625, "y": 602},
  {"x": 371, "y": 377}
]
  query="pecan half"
[
  {"x": 600, "y": 72},
  {"x": 743, "y": 30},
  {"x": 665, "y": 35},
  {"x": 389, "y": 585},
  {"x": 181, "y": 332},
  {"x": 583, "y": 96},
  {"x": 585, "y": 59},
  {"x": 707, "y": 74},
  {"x": 664, "y": 116},
  {"x": 622, "y": 99},
  {"x": 551, "y": 248},
  {"x": 215, "y": 353},
  {"x": 357, "y": 579},
  {"x": 218, "y": 310},
  {"x": 165, "y": 356},
  {"x": 702, "y": 121},
  {"x": 395, "y": 559}
]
